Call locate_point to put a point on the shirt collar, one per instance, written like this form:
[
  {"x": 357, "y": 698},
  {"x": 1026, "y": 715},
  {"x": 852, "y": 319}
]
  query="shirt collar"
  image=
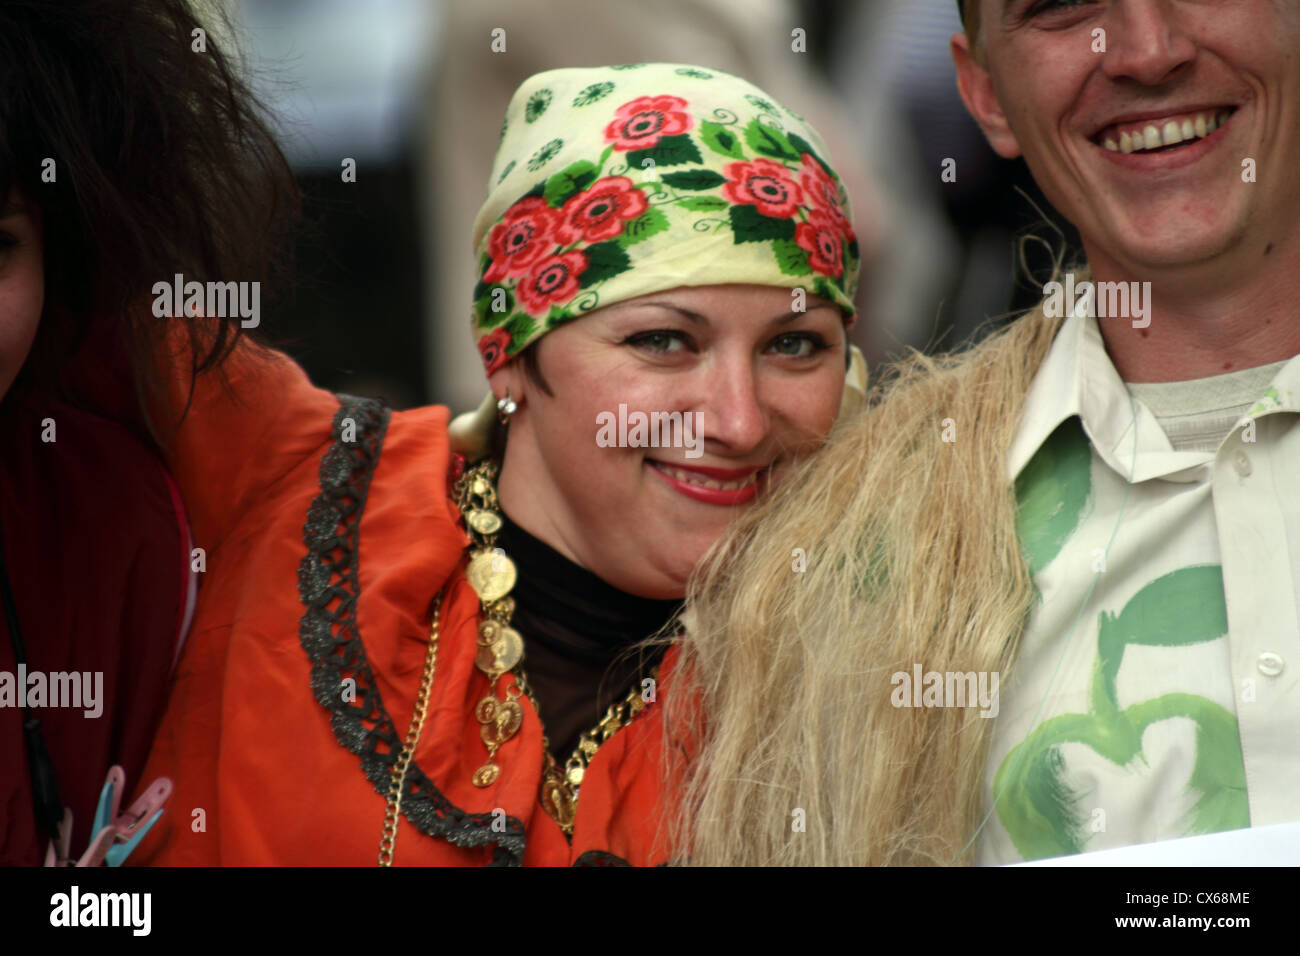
[
  {"x": 1283, "y": 395},
  {"x": 1077, "y": 378}
]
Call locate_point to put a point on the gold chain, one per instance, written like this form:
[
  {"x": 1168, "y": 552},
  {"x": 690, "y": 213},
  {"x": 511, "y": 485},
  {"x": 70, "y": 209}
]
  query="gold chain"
[
  {"x": 397, "y": 778},
  {"x": 618, "y": 715}
]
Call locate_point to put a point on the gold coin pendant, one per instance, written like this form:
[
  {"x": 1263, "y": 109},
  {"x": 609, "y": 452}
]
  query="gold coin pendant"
[
  {"x": 509, "y": 718},
  {"x": 508, "y": 648},
  {"x": 486, "y": 661},
  {"x": 491, "y": 575},
  {"x": 487, "y": 632},
  {"x": 484, "y": 522}
]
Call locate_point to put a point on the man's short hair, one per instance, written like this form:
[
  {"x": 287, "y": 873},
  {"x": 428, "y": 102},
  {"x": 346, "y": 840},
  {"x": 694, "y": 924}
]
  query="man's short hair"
[{"x": 970, "y": 20}]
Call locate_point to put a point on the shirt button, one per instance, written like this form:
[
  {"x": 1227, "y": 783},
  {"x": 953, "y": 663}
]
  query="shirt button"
[
  {"x": 1270, "y": 664},
  {"x": 1241, "y": 461}
]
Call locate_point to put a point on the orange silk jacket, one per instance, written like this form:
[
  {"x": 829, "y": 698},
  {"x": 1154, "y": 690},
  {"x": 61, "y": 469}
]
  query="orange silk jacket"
[{"x": 327, "y": 531}]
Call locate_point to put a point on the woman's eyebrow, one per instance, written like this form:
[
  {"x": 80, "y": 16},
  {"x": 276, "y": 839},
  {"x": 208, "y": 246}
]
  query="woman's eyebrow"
[
  {"x": 13, "y": 207},
  {"x": 795, "y": 313},
  {"x": 687, "y": 313},
  {"x": 777, "y": 319}
]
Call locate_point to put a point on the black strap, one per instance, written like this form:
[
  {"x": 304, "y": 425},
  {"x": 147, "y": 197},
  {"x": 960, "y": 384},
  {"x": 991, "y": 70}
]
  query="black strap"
[{"x": 45, "y": 783}]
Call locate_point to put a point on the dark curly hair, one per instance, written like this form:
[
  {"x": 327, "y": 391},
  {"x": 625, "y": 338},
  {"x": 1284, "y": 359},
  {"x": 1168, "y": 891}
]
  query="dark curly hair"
[{"x": 164, "y": 163}]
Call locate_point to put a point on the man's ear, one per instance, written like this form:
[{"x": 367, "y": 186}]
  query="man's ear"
[{"x": 976, "y": 88}]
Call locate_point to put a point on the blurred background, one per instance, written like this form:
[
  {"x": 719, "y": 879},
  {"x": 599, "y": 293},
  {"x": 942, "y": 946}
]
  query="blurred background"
[{"x": 412, "y": 93}]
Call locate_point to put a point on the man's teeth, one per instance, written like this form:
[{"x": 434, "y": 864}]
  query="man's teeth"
[
  {"x": 1149, "y": 136},
  {"x": 695, "y": 478}
]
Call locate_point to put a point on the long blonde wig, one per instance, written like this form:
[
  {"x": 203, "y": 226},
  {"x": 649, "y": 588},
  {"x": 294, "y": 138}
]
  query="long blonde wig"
[{"x": 891, "y": 547}]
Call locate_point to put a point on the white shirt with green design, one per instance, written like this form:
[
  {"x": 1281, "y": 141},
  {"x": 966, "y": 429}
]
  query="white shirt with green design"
[{"x": 1155, "y": 693}]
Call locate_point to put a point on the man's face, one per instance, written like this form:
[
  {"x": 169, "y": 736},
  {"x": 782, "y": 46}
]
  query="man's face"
[{"x": 1143, "y": 145}]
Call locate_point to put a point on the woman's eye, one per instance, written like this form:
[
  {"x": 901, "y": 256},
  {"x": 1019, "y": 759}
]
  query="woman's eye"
[
  {"x": 798, "y": 345},
  {"x": 661, "y": 341}
]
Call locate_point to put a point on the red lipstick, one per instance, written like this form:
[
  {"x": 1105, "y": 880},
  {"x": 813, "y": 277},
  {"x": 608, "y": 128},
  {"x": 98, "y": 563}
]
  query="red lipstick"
[{"x": 726, "y": 497}]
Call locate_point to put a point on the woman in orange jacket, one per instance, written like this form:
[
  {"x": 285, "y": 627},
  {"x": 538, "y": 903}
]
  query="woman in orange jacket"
[
  {"x": 423, "y": 642},
  {"x": 110, "y": 179}
]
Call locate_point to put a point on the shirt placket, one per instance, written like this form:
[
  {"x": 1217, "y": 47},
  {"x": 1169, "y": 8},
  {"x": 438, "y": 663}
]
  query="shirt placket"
[{"x": 1251, "y": 482}]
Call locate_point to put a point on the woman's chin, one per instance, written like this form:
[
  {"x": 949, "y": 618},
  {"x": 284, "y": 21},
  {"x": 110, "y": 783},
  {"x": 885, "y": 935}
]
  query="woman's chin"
[{"x": 660, "y": 572}]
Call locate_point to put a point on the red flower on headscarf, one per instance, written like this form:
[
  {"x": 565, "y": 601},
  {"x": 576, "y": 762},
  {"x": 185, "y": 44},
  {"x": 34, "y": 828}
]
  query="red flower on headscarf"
[
  {"x": 641, "y": 123},
  {"x": 598, "y": 212},
  {"x": 521, "y": 238},
  {"x": 821, "y": 236},
  {"x": 553, "y": 280},
  {"x": 823, "y": 191},
  {"x": 765, "y": 185},
  {"x": 492, "y": 347}
]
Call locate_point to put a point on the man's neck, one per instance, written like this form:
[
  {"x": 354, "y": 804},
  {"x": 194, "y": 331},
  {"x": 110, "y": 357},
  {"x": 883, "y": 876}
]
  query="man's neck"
[{"x": 1207, "y": 319}]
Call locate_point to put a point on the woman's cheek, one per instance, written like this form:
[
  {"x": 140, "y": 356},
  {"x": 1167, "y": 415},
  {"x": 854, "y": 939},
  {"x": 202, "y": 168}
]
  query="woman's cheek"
[
  {"x": 22, "y": 297},
  {"x": 814, "y": 408}
]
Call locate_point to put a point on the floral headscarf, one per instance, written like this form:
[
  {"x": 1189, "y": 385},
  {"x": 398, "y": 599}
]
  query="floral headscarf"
[{"x": 613, "y": 182}]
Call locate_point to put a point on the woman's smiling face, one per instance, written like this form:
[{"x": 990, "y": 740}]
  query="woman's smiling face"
[
  {"x": 762, "y": 380},
  {"x": 22, "y": 283}
]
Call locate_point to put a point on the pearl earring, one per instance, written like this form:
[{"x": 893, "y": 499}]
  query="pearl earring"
[{"x": 505, "y": 408}]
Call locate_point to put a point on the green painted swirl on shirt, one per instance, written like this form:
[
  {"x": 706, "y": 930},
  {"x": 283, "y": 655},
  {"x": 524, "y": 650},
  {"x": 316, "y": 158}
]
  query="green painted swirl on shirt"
[
  {"x": 1052, "y": 491},
  {"x": 1040, "y": 811}
]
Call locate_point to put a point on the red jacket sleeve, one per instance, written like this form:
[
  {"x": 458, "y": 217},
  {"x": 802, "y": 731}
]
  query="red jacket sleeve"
[{"x": 244, "y": 429}]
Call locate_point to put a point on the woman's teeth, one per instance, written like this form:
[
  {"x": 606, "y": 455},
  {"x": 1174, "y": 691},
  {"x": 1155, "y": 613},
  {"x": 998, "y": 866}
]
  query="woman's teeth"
[
  {"x": 1142, "y": 137},
  {"x": 695, "y": 478}
]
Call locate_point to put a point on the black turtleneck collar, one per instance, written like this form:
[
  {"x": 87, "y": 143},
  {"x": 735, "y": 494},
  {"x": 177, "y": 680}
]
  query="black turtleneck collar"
[
  {"x": 578, "y": 633},
  {"x": 584, "y": 617}
]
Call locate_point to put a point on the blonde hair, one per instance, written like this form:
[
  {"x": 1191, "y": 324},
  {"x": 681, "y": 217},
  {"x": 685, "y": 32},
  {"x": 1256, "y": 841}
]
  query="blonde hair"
[{"x": 912, "y": 557}]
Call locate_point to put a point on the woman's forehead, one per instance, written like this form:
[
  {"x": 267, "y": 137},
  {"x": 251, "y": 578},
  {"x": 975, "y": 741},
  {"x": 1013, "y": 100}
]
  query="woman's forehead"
[
  {"x": 13, "y": 202},
  {"x": 755, "y": 306},
  {"x": 709, "y": 297}
]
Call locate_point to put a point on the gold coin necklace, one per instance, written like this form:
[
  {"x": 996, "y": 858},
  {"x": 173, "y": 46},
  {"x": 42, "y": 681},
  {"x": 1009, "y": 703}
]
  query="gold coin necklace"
[{"x": 492, "y": 575}]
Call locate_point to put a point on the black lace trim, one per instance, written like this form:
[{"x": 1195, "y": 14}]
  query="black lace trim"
[{"x": 328, "y": 585}]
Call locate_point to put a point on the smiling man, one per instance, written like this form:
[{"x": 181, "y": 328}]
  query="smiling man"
[
  {"x": 1165, "y": 131},
  {"x": 1100, "y": 509}
]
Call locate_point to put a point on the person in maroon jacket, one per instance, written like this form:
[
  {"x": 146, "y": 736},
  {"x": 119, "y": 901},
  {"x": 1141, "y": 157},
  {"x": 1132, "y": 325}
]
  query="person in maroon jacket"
[{"x": 127, "y": 156}]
